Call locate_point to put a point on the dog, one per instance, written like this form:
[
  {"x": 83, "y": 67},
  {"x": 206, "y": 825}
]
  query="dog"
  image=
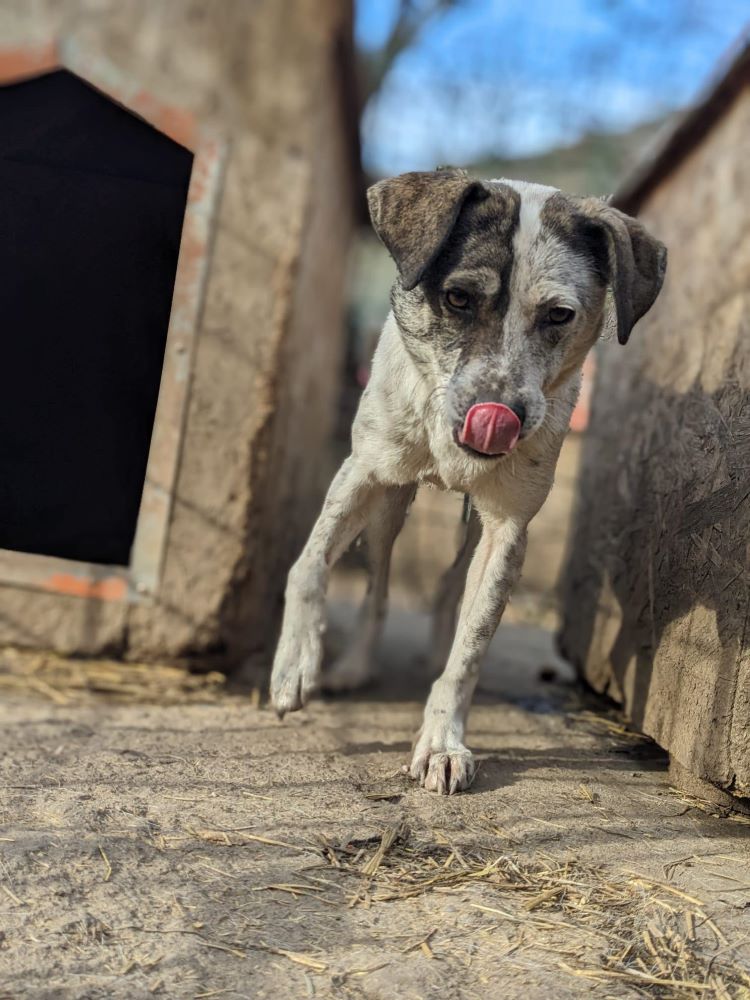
[{"x": 502, "y": 288}]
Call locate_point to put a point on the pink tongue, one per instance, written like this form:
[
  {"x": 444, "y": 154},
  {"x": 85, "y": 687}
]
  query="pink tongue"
[{"x": 490, "y": 428}]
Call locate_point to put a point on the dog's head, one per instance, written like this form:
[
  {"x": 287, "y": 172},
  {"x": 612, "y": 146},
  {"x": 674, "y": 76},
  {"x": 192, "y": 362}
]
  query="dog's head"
[{"x": 502, "y": 289}]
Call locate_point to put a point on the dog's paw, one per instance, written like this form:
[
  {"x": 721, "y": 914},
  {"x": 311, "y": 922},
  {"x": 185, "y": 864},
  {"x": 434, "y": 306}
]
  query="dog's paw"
[
  {"x": 444, "y": 771},
  {"x": 296, "y": 669}
]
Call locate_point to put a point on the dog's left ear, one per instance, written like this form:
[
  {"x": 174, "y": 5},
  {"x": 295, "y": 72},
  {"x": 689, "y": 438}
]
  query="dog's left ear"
[
  {"x": 637, "y": 262},
  {"x": 414, "y": 214}
]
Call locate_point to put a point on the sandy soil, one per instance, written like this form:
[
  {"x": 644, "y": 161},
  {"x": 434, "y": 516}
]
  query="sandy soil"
[{"x": 203, "y": 849}]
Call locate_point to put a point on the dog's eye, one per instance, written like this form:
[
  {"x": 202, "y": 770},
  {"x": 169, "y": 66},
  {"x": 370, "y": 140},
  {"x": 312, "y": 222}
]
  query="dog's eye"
[
  {"x": 559, "y": 314},
  {"x": 457, "y": 298}
]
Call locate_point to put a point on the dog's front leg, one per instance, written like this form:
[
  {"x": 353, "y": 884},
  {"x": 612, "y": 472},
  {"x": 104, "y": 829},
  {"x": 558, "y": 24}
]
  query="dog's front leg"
[
  {"x": 296, "y": 666},
  {"x": 450, "y": 591},
  {"x": 441, "y": 762},
  {"x": 356, "y": 665}
]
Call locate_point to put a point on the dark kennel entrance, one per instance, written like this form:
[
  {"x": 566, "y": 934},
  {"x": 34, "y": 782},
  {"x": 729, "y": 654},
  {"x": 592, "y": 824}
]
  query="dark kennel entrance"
[{"x": 92, "y": 201}]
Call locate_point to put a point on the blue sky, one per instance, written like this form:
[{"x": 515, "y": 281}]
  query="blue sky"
[{"x": 513, "y": 77}]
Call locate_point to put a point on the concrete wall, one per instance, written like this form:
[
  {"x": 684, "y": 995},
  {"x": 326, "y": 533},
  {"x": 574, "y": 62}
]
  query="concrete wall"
[
  {"x": 656, "y": 595},
  {"x": 268, "y": 74}
]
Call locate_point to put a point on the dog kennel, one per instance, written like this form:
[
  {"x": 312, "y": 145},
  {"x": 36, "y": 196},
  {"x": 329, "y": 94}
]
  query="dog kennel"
[
  {"x": 106, "y": 203},
  {"x": 162, "y": 181}
]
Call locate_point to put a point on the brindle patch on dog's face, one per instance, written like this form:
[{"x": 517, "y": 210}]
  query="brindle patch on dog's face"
[{"x": 512, "y": 303}]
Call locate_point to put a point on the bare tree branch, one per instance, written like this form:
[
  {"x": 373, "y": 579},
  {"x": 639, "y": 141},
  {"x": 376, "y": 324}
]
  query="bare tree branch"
[{"x": 411, "y": 19}]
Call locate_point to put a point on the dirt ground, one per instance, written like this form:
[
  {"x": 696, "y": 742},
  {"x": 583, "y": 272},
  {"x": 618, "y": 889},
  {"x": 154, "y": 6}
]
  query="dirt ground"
[{"x": 203, "y": 849}]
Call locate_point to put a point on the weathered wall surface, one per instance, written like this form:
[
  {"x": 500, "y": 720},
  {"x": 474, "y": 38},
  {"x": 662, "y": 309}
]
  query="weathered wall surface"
[
  {"x": 656, "y": 593},
  {"x": 265, "y": 374}
]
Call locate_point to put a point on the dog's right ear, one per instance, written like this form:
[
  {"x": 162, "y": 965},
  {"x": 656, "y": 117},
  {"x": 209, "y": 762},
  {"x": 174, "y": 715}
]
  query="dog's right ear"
[{"x": 414, "y": 214}]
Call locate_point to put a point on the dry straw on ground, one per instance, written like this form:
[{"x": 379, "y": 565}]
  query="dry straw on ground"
[
  {"x": 65, "y": 681},
  {"x": 649, "y": 934}
]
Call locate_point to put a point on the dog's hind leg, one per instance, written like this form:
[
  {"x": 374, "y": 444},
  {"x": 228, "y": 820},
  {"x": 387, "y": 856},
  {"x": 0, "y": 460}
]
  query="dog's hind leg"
[
  {"x": 449, "y": 593},
  {"x": 356, "y": 665}
]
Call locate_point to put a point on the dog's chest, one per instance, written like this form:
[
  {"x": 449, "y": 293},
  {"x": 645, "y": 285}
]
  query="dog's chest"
[{"x": 456, "y": 474}]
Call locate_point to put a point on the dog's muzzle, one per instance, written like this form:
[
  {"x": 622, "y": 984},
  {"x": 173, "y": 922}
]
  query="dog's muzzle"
[{"x": 490, "y": 429}]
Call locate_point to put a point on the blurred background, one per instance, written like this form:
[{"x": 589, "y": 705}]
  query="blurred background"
[{"x": 571, "y": 94}]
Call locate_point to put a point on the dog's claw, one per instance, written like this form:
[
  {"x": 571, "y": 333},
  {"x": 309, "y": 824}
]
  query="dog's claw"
[
  {"x": 290, "y": 696},
  {"x": 444, "y": 772},
  {"x": 296, "y": 670}
]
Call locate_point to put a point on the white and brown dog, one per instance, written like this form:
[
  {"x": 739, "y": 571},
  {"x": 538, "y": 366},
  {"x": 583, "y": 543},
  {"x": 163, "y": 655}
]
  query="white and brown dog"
[{"x": 502, "y": 288}]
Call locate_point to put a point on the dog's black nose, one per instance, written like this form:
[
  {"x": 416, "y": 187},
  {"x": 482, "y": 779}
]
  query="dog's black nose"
[{"x": 520, "y": 411}]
